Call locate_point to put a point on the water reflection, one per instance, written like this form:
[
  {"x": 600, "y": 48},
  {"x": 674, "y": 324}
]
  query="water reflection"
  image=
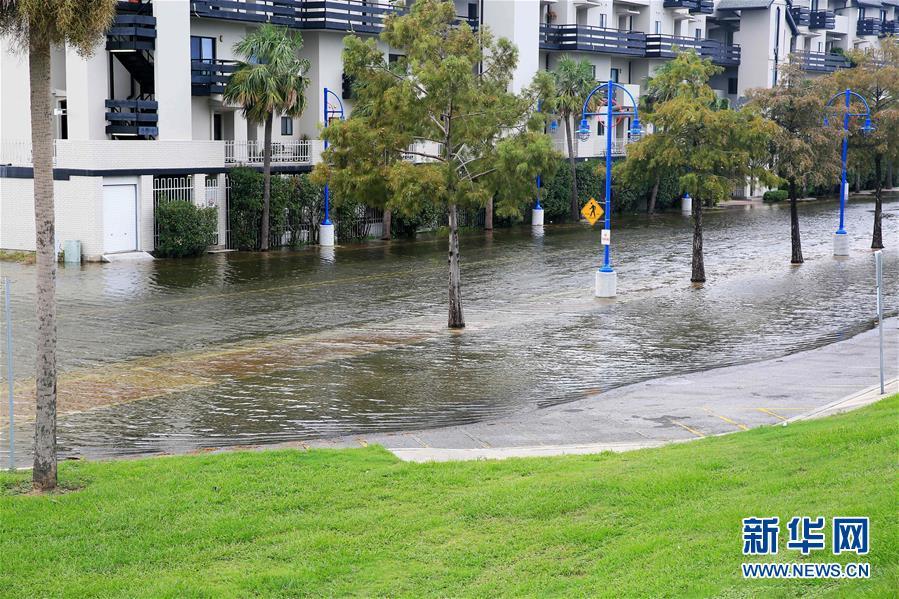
[{"x": 297, "y": 344}]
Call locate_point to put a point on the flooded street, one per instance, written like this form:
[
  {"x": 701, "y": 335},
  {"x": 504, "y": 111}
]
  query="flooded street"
[{"x": 236, "y": 348}]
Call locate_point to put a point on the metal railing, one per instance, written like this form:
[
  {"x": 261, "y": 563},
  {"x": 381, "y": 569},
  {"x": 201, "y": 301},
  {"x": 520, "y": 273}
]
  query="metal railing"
[
  {"x": 868, "y": 27},
  {"x": 820, "y": 62},
  {"x": 210, "y": 76},
  {"x": 822, "y": 19},
  {"x": 251, "y": 152},
  {"x": 583, "y": 38},
  {"x": 663, "y": 46}
]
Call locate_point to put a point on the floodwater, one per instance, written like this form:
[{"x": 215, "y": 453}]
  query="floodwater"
[{"x": 243, "y": 348}]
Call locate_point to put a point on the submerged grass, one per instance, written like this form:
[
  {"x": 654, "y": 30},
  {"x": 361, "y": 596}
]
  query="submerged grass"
[{"x": 659, "y": 522}]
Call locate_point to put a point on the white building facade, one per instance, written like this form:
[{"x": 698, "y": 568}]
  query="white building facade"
[{"x": 144, "y": 116}]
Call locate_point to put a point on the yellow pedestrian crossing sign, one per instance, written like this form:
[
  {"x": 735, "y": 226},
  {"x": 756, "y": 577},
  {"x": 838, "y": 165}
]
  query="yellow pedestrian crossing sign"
[{"x": 592, "y": 211}]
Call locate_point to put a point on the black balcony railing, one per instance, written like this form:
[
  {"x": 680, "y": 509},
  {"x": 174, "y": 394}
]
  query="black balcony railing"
[
  {"x": 132, "y": 118},
  {"x": 210, "y": 76},
  {"x": 131, "y": 32},
  {"x": 890, "y": 28},
  {"x": 868, "y": 27},
  {"x": 667, "y": 46},
  {"x": 801, "y": 15},
  {"x": 705, "y": 7},
  {"x": 278, "y": 12},
  {"x": 820, "y": 62},
  {"x": 822, "y": 19},
  {"x": 689, "y": 4},
  {"x": 592, "y": 39}
]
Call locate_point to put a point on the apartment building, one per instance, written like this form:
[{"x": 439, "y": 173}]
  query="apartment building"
[{"x": 144, "y": 118}]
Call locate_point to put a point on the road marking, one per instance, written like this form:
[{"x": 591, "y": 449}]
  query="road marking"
[
  {"x": 769, "y": 412},
  {"x": 742, "y": 427},
  {"x": 685, "y": 427}
]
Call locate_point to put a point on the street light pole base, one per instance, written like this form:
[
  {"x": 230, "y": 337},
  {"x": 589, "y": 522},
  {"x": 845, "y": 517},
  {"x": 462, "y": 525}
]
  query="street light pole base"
[
  {"x": 326, "y": 235},
  {"x": 606, "y": 283},
  {"x": 841, "y": 244},
  {"x": 537, "y": 217}
]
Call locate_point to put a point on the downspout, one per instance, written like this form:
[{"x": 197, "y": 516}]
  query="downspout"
[{"x": 776, "y": 43}]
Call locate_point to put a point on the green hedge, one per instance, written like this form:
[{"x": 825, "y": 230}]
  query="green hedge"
[
  {"x": 184, "y": 229},
  {"x": 775, "y": 195}
]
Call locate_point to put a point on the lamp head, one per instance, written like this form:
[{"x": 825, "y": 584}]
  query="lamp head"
[
  {"x": 826, "y": 122},
  {"x": 553, "y": 125},
  {"x": 583, "y": 132},
  {"x": 868, "y": 128},
  {"x": 636, "y": 130}
]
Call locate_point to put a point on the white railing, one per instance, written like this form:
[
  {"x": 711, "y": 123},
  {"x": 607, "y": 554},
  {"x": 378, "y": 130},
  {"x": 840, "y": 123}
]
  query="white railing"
[
  {"x": 592, "y": 150},
  {"x": 251, "y": 152},
  {"x": 414, "y": 152},
  {"x": 18, "y": 153}
]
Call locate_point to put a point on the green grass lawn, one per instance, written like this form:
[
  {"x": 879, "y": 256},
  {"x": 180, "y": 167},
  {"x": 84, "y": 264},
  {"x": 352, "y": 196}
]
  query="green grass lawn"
[{"x": 660, "y": 522}]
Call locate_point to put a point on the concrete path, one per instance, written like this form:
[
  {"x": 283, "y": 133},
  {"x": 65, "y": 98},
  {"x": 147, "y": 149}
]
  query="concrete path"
[{"x": 814, "y": 383}]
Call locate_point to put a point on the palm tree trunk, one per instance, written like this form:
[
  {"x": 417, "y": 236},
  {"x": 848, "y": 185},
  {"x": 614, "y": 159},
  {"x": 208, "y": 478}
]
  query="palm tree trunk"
[
  {"x": 575, "y": 207},
  {"x": 456, "y": 321},
  {"x": 386, "y": 224},
  {"x": 795, "y": 240},
  {"x": 266, "y": 183},
  {"x": 877, "y": 238},
  {"x": 651, "y": 208},
  {"x": 488, "y": 215},
  {"x": 698, "y": 275},
  {"x": 44, "y": 471}
]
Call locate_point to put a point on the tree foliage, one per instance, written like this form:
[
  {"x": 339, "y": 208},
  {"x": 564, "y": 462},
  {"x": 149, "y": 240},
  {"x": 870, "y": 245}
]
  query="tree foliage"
[
  {"x": 78, "y": 23},
  {"x": 446, "y": 105}
]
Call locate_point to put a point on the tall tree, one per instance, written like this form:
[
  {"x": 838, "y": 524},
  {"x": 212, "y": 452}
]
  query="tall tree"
[
  {"x": 802, "y": 147},
  {"x": 572, "y": 80},
  {"x": 876, "y": 77},
  {"x": 38, "y": 25},
  {"x": 688, "y": 74},
  {"x": 711, "y": 150},
  {"x": 473, "y": 139},
  {"x": 270, "y": 79}
]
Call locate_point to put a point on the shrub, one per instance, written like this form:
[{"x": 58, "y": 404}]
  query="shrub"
[
  {"x": 184, "y": 229},
  {"x": 775, "y": 195}
]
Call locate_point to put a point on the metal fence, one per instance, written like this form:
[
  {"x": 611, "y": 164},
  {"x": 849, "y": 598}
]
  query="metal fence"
[
  {"x": 251, "y": 152},
  {"x": 169, "y": 189}
]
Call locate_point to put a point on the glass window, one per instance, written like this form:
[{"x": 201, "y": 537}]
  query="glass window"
[
  {"x": 613, "y": 75},
  {"x": 202, "y": 48},
  {"x": 658, "y": 27},
  {"x": 286, "y": 125},
  {"x": 732, "y": 86},
  {"x": 602, "y": 20},
  {"x": 698, "y": 33}
]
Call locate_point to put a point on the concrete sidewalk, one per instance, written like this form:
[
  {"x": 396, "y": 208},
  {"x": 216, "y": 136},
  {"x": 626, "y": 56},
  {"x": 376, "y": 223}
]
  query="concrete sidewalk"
[{"x": 814, "y": 383}]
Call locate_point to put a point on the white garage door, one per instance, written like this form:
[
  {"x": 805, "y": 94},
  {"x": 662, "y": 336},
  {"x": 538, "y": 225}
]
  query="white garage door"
[{"x": 119, "y": 218}]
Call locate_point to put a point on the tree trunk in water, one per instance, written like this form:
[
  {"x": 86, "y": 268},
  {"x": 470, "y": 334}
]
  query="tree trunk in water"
[
  {"x": 386, "y": 223},
  {"x": 698, "y": 275},
  {"x": 575, "y": 208},
  {"x": 877, "y": 238},
  {"x": 44, "y": 471},
  {"x": 266, "y": 184},
  {"x": 651, "y": 208},
  {"x": 795, "y": 240},
  {"x": 488, "y": 215},
  {"x": 456, "y": 321}
]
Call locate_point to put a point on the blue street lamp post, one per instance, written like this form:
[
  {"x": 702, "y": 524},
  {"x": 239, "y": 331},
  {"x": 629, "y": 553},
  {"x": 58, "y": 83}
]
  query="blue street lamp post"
[
  {"x": 606, "y": 278},
  {"x": 326, "y": 228},
  {"x": 841, "y": 238}
]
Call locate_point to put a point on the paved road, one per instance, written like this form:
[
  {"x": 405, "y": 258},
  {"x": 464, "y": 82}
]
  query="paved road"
[{"x": 664, "y": 410}]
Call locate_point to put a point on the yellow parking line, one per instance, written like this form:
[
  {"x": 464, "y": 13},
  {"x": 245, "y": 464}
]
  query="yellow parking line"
[
  {"x": 769, "y": 412},
  {"x": 685, "y": 427},
  {"x": 742, "y": 427}
]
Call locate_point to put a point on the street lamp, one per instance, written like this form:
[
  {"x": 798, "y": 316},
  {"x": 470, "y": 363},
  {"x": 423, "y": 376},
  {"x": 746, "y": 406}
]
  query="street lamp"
[
  {"x": 326, "y": 228},
  {"x": 537, "y": 214},
  {"x": 606, "y": 277},
  {"x": 840, "y": 238}
]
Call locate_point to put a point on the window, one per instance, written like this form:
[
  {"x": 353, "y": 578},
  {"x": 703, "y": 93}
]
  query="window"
[
  {"x": 613, "y": 75},
  {"x": 861, "y": 13},
  {"x": 820, "y": 46},
  {"x": 732, "y": 86},
  {"x": 217, "y": 126},
  {"x": 658, "y": 27},
  {"x": 698, "y": 33},
  {"x": 814, "y": 5},
  {"x": 600, "y": 127},
  {"x": 602, "y": 20},
  {"x": 473, "y": 10},
  {"x": 593, "y": 71},
  {"x": 286, "y": 125},
  {"x": 202, "y": 48}
]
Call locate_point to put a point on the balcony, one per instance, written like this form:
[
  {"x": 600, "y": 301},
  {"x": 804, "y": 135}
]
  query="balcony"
[
  {"x": 581, "y": 38},
  {"x": 132, "y": 118},
  {"x": 868, "y": 27},
  {"x": 210, "y": 77},
  {"x": 666, "y": 46},
  {"x": 131, "y": 32},
  {"x": 691, "y": 5},
  {"x": 801, "y": 15},
  {"x": 251, "y": 152},
  {"x": 820, "y": 62},
  {"x": 889, "y": 28},
  {"x": 822, "y": 19},
  {"x": 277, "y": 12},
  {"x": 704, "y": 7}
]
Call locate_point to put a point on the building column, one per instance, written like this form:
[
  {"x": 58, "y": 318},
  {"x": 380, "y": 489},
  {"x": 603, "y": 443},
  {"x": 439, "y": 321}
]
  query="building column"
[
  {"x": 146, "y": 213},
  {"x": 172, "y": 77},
  {"x": 87, "y": 89}
]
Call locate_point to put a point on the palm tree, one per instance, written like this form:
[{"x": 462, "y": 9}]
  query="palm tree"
[
  {"x": 37, "y": 25},
  {"x": 271, "y": 78},
  {"x": 573, "y": 81}
]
